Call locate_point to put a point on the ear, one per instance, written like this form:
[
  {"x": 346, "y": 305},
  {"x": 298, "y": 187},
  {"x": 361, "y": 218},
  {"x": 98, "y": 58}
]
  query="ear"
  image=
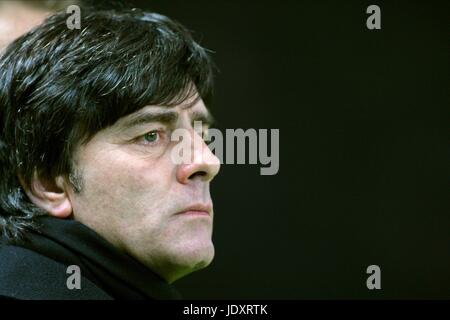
[{"x": 50, "y": 195}]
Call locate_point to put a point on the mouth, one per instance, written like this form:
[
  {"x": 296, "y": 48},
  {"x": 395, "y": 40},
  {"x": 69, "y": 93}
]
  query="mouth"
[{"x": 199, "y": 209}]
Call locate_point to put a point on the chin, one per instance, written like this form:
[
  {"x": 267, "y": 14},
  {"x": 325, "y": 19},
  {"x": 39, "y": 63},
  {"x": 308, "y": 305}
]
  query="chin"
[
  {"x": 196, "y": 256},
  {"x": 175, "y": 262},
  {"x": 189, "y": 260}
]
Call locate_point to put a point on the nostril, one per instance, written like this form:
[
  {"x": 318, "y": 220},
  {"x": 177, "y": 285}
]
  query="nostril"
[{"x": 198, "y": 173}]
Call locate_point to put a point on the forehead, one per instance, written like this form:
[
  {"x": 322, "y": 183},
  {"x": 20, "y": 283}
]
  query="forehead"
[{"x": 189, "y": 107}]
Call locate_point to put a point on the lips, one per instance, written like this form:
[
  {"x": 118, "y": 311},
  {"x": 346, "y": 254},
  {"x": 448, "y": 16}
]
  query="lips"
[{"x": 197, "y": 209}]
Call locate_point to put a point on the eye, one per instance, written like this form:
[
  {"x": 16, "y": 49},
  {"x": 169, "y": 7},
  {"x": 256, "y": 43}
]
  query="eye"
[
  {"x": 205, "y": 134},
  {"x": 151, "y": 137}
]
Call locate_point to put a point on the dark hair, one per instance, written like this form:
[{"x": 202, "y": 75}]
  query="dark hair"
[{"x": 58, "y": 87}]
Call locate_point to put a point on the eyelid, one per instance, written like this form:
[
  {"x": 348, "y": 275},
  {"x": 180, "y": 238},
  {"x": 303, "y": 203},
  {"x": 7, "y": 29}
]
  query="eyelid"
[{"x": 161, "y": 132}]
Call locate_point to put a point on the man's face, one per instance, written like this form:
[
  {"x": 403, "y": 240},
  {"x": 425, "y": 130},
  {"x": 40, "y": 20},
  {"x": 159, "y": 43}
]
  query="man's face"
[
  {"x": 132, "y": 190},
  {"x": 16, "y": 18}
]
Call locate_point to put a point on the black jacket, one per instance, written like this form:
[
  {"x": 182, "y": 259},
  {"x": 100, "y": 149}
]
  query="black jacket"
[{"x": 38, "y": 268}]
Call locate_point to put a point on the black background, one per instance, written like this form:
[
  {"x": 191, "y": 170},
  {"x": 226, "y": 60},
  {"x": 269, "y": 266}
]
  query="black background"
[{"x": 364, "y": 148}]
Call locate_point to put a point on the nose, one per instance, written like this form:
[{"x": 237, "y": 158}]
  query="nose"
[{"x": 204, "y": 165}]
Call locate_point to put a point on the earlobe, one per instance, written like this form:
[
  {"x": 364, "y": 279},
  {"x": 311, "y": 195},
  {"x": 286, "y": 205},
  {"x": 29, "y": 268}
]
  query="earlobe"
[{"x": 51, "y": 196}]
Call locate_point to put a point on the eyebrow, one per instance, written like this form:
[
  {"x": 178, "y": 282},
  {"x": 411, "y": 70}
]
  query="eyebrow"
[
  {"x": 205, "y": 118},
  {"x": 165, "y": 117}
]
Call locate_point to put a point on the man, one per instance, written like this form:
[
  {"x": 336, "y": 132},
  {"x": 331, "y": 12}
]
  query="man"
[
  {"x": 19, "y": 16},
  {"x": 89, "y": 186}
]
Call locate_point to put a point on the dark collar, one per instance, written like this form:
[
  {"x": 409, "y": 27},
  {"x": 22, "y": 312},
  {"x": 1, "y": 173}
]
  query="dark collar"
[{"x": 121, "y": 276}]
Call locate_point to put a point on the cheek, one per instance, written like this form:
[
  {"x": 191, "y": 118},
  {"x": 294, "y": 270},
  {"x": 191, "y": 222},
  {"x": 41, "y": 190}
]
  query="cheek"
[{"x": 128, "y": 185}]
